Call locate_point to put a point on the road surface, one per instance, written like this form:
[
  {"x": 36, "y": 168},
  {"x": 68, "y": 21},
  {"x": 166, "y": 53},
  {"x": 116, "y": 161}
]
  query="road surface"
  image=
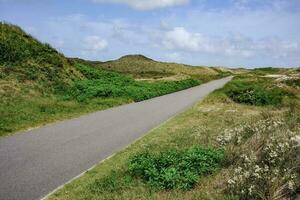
[{"x": 35, "y": 162}]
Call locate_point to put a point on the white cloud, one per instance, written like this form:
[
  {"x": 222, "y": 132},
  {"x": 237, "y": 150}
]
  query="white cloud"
[
  {"x": 174, "y": 57},
  {"x": 231, "y": 45},
  {"x": 254, "y": 36},
  {"x": 94, "y": 43},
  {"x": 146, "y": 4},
  {"x": 179, "y": 38}
]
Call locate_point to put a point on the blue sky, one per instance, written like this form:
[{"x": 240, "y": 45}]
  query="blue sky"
[{"x": 234, "y": 33}]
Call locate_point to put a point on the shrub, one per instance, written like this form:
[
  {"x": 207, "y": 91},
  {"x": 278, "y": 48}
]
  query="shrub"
[
  {"x": 102, "y": 83},
  {"x": 175, "y": 169},
  {"x": 267, "y": 175},
  {"x": 294, "y": 82},
  {"x": 259, "y": 93},
  {"x": 266, "y": 160}
]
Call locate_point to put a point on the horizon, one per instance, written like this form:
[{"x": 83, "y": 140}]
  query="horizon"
[{"x": 231, "y": 33}]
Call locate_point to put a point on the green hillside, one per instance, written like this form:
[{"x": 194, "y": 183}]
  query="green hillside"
[
  {"x": 25, "y": 60},
  {"x": 39, "y": 85},
  {"x": 141, "y": 67}
]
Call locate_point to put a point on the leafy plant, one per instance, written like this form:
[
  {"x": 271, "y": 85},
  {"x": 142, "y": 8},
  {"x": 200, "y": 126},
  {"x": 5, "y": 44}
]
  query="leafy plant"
[
  {"x": 102, "y": 83},
  {"x": 293, "y": 82},
  {"x": 258, "y": 93},
  {"x": 173, "y": 169}
]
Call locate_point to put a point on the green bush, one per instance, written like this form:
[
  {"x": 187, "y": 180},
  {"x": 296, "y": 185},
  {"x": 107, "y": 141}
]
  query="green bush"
[
  {"x": 259, "y": 93},
  {"x": 293, "y": 82},
  {"x": 266, "y": 70},
  {"x": 100, "y": 83},
  {"x": 175, "y": 169}
]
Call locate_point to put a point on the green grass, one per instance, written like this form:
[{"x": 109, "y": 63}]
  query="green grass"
[
  {"x": 34, "y": 112},
  {"x": 110, "y": 84},
  {"x": 293, "y": 82},
  {"x": 253, "y": 91},
  {"x": 97, "y": 90},
  {"x": 175, "y": 169},
  {"x": 139, "y": 66},
  {"x": 38, "y": 85},
  {"x": 199, "y": 126},
  {"x": 267, "y": 70}
]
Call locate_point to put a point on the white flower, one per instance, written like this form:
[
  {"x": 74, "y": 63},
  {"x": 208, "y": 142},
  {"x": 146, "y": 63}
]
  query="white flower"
[
  {"x": 257, "y": 169},
  {"x": 296, "y": 140},
  {"x": 238, "y": 169},
  {"x": 291, "y": 185},
  {"x": 250, "y": 189},
  {"x": 231, "y": 182}
]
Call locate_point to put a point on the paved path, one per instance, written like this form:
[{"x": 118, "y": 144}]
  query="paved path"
[{"x": 36, "y": 162}]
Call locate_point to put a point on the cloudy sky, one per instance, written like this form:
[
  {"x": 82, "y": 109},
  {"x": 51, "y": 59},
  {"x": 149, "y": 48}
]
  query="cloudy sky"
[{"x": 247, "y": 33}]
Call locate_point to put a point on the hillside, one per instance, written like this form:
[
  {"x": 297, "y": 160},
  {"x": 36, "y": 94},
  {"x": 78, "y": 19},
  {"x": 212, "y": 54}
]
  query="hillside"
[
  {"x": 141, "y": 67},
  {"x": 30, "y": 68},
  {"x": 39, "y": 85}
]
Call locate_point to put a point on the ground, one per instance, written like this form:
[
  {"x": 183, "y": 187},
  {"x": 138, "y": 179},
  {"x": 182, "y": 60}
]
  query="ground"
[{"x": 205, "y": 124}]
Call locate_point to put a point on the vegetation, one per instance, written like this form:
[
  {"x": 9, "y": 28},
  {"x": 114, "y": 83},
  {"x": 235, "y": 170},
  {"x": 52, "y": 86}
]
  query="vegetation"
[
  {"x": 267, "y": 70},
  {"x": 255, "y": 91},
  {"x": 175, "y": 168},
  {"x": 261, "y": 154},
  {"x": 141, "y": 67},
  {"x": 293, "y": 82},
  {"x": 110, "y": 84},
  {"x": 241, "y": 142},
  {"x": 39, "y": 85}
]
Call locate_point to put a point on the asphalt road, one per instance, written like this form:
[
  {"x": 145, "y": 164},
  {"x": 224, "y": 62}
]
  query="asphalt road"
[{"x": 35, "y": 162}]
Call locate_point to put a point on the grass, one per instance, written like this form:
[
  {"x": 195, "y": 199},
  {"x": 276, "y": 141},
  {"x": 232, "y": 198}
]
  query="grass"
[
  {"x": 175, "y": 169},
  {"x": 255, "y": 91},
  {"x": 98, "y": 90},
  {"x": 23, "y": 114},
  {"x": 201, "y": 125},
  {"x": 110, "y": 84},
  {"x": 39, "y": 85},
  {"x": 141, "y": 67}
]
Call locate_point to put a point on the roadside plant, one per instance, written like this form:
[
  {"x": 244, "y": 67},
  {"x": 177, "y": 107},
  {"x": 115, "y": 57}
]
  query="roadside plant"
[
  {"x": 241, "y": 133},
  {"x": 269, "y": 174},
  {"x": 175, "y": 169},
  {"x": 268, "y": 162},
  {"x": 258, "y": 92}
]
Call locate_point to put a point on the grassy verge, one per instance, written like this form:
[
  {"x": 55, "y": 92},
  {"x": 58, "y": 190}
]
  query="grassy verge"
[
  {"x": 23, "y": 114},
  {"x": 207, "y": 125},
  {"x": 25, "y": 104},
  {"x": 39, "y": 85}
]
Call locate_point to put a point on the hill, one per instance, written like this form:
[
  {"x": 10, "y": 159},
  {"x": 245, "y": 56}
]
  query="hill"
[
  {"x": 27, "y": 63},
  {"x": 142, "y": 67},
  {"x": 39, "y": 85}
]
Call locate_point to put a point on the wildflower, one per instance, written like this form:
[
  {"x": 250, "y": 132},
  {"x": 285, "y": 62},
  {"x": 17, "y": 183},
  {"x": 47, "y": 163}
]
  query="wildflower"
[
  {"x": 238, "y": 169},
  {"x": 291, "y": 185},
  {"x": 231, "y": 182},
  {"x": 257, "y": 168},
  {"x": 296, "y": 140},
  {"x": 250, "y": 189}
]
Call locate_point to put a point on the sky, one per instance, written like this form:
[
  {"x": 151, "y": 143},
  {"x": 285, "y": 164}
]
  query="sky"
[{"x": 230, "y": 33}]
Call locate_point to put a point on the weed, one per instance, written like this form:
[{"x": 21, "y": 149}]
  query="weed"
[
  {"x": 259, "y": 93},
  {"x": 113, "y": 182},
  {"x": 110, "y": 84},
  {"x": 175, "y": 168}
]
